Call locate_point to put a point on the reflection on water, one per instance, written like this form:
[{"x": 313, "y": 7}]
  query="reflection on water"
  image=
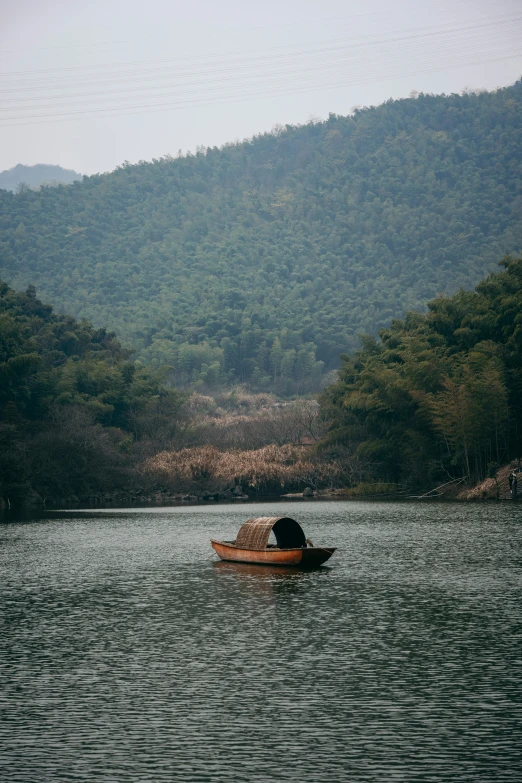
[
  {"x": 127, "y": 654},
  {"x": 258, "y": 573},
  {"x": 268, "y": 580}
]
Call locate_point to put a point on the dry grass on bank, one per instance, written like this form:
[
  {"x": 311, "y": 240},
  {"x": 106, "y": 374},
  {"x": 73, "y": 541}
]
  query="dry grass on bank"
[
  {"x": 492, "y": 488},
  {"x": 268, "y": 469},
  {"x": 243, "y": 422}
]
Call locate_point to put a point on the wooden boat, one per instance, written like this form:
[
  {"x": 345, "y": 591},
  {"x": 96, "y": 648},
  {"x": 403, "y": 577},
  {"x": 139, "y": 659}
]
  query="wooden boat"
[{"x": 291, "y": 549}]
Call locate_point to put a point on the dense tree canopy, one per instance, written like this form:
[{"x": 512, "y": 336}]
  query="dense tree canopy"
[
  {"x": 71, "y": 402},
  {"x": 262, "y": 261},
  {"x": 439, "y": 394}
]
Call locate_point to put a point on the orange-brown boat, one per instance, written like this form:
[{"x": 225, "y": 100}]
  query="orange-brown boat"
[{"x": 291, "y": 549}]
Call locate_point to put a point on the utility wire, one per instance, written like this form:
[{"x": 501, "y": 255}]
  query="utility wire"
[
  {"x": 155, "y": 90},
  {"x": 272, "y": 75},
  {"x": 138, "y": 109},
  {"x": 293, "y": 24},
  {"x": 331, "y": 45},
  {"x": 479, "y": 39},
  {"x": 109, "y": 89}
]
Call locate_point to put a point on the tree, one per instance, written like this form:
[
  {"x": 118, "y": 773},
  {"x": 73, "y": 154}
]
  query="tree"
[{"x": 439, "y": 393}]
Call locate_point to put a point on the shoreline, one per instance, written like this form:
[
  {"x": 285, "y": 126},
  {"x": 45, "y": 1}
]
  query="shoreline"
[
  {"x": 35, "y": 512},
  {"x": 493, "y": 489}
]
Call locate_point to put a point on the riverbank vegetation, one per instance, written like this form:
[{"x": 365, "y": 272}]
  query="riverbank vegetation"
[
  {"x": 435, "y": 398},
  {"x": 260, "y": 262},
  {"x": 438, "y": 395},
  {"x": 71, "y": 404},
  {"x": 207, "y": 471},
  {"x": 80, "y": 420}
]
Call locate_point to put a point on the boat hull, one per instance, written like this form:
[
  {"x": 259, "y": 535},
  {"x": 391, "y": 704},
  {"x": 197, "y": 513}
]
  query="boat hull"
[{"x": 304, "y": 557}]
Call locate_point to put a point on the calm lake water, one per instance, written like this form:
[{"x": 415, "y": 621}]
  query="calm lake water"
[{"x": 128, "y": 654}]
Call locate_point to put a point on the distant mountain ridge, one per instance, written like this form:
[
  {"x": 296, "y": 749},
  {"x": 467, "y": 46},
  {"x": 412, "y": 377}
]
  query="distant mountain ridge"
[
  {"x": 262, "y": 261},
  {"x": 34, "y": 176}
]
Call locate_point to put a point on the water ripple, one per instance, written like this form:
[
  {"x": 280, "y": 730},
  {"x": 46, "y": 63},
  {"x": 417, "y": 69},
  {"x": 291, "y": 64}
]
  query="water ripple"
[{"x": 127, "y": 655}]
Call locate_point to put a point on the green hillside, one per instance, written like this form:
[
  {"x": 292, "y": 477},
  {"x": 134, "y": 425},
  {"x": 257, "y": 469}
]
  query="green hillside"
[{"x": 263, "y": 260}]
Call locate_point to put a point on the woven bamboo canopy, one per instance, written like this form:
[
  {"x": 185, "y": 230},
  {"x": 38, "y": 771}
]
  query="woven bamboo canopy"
[{"x": 254, "y": 533}]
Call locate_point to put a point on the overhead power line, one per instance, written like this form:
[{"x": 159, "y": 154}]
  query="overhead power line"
[
  {"x": 277, "y": 71},
  {"x": 287, "y": 51},
  {"x": 246, "y": 96},
  {"x": 155, "y": 89},
  {"x": 296, "y": 23}
]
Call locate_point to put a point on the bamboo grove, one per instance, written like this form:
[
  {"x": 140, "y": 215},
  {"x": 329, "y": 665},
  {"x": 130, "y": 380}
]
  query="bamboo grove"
[{"x": 438, "y": 394}]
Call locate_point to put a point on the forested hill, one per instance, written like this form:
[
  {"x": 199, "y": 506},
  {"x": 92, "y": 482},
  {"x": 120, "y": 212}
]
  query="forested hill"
[
  {"x": 34, "y": 176},
  {"x": 263, "y": 260}
]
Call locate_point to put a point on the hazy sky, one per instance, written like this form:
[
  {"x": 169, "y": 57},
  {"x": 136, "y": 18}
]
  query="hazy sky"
[{"x": 89, "y": 84}]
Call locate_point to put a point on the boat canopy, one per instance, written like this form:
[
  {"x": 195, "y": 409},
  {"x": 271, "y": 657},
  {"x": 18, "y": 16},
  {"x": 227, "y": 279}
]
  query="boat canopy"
[{"x": 254, "y": 533}]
